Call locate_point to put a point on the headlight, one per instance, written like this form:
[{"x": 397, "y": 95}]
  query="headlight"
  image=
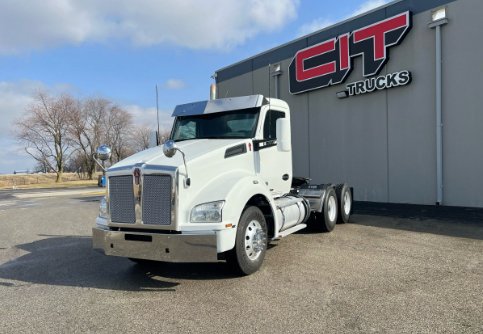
[
  {"x": 207, "y": 212},
  {"x": 103, "y": 208}
]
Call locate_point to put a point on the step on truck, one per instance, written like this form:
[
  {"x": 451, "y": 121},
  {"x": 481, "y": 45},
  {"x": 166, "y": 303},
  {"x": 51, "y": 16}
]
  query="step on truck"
[{"x": 221, "y": 188}]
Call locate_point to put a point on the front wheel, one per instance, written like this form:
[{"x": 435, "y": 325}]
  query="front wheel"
[{"x": 251, "y": 242}]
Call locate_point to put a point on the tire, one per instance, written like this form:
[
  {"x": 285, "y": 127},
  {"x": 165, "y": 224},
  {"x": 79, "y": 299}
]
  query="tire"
[
  {"x": 328, "y": 218},
  {"x": 251, "y": 242},
  {"x": 344, "y": 196}
]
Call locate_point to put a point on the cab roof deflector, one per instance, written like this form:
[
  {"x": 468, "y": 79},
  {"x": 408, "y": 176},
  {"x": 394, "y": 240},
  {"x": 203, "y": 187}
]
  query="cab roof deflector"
[{"x": 219, "y": 105}]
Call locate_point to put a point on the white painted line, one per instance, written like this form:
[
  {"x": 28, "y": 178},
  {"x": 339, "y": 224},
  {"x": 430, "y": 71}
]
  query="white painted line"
[{"x": 54, "y": 193}]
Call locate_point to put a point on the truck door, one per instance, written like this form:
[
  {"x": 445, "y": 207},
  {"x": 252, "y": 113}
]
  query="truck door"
[{"x": 274, "y": 166}]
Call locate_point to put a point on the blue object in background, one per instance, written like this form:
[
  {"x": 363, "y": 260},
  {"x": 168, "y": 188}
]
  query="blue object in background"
[{"x": 101, "y": 181}]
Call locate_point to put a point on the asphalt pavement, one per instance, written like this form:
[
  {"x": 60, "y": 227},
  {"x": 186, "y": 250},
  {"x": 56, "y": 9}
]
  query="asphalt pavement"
[{"x": 385, "y": 272}]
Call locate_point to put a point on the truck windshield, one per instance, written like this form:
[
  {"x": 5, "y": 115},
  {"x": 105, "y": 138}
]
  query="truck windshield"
[{"x": 222, "y": 125}]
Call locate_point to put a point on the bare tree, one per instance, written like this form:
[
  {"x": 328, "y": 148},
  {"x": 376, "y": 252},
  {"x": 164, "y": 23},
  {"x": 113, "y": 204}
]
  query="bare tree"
[
  {"x": 140, "y": 137},
  {"x": 87, "y": 128},
  {"x": 63, "y": 133},
  {"x": 77, "y": 164},
  {"x": 41, "y": 167},
  {"x": 44, "y": 130},
  {"x": 118, "y": 125}
]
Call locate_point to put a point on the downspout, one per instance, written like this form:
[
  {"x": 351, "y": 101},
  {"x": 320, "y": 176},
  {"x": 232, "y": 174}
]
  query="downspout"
[{"x": 439, "y": 120}]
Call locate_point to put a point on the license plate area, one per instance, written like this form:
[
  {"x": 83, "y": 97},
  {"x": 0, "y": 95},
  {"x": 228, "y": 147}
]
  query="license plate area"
[{"x": 138, "y": 237}]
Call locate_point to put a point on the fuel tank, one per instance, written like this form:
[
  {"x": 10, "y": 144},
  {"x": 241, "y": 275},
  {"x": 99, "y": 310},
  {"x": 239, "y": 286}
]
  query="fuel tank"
[{"x": 292, "y": 210}]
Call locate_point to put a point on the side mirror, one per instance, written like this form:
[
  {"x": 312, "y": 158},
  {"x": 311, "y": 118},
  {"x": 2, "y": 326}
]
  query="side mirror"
[
  {"x": 284, "y": 139},
  {"x": 169, "y": 148},
  {"x": 103, "y": 152}
]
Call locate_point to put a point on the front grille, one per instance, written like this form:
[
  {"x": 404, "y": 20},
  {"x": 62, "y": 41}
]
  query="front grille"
[
  {"x": 121, "y": 198},
  {"x": 156, "y": 201}
]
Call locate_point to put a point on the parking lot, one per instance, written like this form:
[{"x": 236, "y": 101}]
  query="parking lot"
[{"x": 388, "y": 271}]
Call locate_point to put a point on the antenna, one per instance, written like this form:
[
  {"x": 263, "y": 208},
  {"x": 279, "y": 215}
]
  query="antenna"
[
  {"x": 269, "y": 66},
  {"x": 157, "y": 117},
  {"x": 269, "y": 114}
]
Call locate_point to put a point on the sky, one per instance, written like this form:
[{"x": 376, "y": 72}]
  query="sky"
[{"x": 122, "y": 49}]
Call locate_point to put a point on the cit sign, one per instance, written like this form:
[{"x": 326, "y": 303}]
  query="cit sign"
[{"x": 330, "y": 62}]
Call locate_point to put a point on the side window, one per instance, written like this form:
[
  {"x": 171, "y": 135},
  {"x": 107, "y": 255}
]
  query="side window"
[
  {"x": 270, "y": 125},
  {"x": 185, "y": 130}
]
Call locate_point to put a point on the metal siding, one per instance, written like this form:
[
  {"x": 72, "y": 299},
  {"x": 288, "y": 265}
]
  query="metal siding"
[
  {"x": 463, "y": 104},
  {"x": 411, "y": 119},
  {"x": 348, "y": 140},
  {"x": 260, "y": 82},
  {"x": 237, "y": 86},
  {"x": 234, "y": 71}
]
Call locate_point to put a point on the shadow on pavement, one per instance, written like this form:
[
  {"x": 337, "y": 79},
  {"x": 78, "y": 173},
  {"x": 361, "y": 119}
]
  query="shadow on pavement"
[
  {"x": 441, "y": 220},
  {"x": 96, "y": 198},
  {"x": 70, "y": 261}
]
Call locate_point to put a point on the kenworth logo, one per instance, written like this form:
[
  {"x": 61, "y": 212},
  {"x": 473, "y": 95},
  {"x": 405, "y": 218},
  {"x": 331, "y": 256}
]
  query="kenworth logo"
[{"x": 330, "y": 62}]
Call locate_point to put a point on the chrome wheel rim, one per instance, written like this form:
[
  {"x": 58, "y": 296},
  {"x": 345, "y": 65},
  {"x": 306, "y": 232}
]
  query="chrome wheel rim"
[
  {"x": 347, "y": 203},
  {"x": 254, "y": 240},
  {"x": 332, "y": 208}
]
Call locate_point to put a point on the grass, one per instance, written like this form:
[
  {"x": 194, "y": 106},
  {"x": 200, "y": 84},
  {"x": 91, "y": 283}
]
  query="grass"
[{"x": 38, "y": 181}]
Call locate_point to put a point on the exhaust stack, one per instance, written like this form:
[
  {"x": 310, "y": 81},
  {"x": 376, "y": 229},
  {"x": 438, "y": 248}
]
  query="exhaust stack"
[{"x": 213, "y": 91}]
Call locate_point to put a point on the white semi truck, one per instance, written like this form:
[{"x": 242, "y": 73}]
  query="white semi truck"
[{"x": 220, "y": 189}]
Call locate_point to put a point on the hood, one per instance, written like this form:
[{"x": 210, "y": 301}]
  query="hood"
[{"x": 193, "y": 150}]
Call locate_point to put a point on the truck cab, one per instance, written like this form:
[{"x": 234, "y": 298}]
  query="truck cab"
[{"x": 220, "y": 188}]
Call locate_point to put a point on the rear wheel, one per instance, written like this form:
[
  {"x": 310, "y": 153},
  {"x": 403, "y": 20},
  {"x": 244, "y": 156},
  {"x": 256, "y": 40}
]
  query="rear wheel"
[
  {"x": 344, "y": 195},
  {"x": 251, "y": 242},
  {"x": 328, "y": 218}
]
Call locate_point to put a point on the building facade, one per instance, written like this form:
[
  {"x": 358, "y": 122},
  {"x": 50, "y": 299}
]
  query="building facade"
[{"x": 367, "y": 96}]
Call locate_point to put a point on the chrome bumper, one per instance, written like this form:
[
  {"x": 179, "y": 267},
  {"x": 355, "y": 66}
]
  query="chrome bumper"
[{"x": 154, "y": 246}]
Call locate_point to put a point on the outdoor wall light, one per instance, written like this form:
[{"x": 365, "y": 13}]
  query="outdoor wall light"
[
  {"x": 276, "y": 69},
  {"x": 438, "y": 14},
  {"x": 438, "y": 18}
]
